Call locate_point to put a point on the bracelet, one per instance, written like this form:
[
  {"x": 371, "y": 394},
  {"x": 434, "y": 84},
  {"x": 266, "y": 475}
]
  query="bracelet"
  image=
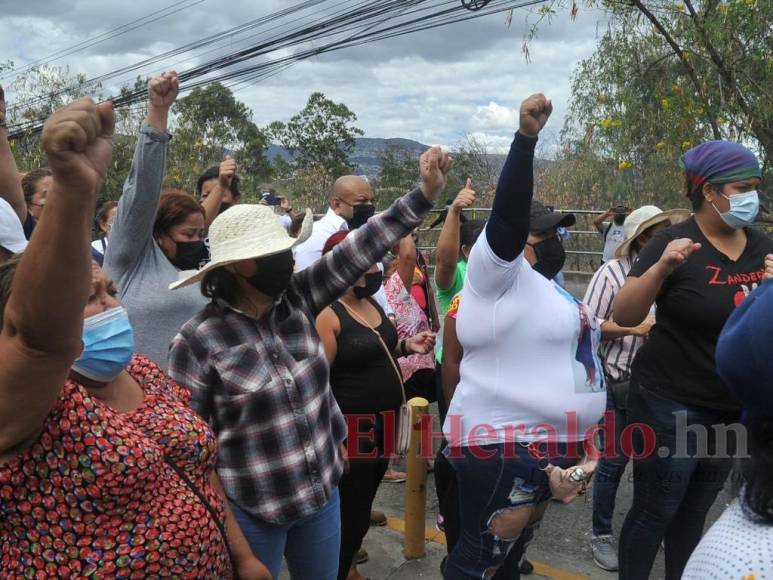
[{"x": 403, "y": 350}]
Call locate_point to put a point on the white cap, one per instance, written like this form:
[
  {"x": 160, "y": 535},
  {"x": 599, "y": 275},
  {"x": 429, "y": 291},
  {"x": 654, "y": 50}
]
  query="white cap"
[
  {"x": 643, "y": 218},
  {"x": 11, "y": 232}
]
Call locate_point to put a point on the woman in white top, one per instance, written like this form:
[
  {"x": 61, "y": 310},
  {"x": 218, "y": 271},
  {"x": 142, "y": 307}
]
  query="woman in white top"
[
  {"x": 530, "y": 373},
  {"x": 103, "y": 223}
]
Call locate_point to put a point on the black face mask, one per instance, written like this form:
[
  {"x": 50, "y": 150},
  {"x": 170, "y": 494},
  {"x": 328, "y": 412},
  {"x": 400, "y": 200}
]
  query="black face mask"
[
  {"x": 372, "y": 283},
  {"x": 274, "y": 274},
  {"x": 361, "y": 214},
  {"x": 550, "y": 257},
  {"x": 190, "y": 255},
  {"x": 223, "y": 206}
]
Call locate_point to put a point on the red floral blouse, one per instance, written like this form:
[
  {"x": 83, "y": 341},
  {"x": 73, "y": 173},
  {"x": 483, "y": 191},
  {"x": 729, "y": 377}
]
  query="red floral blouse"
[{"x": 93, "y": 497}]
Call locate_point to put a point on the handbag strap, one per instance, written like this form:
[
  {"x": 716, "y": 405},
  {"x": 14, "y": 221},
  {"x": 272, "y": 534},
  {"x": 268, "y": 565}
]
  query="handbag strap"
[
  {"x": 192, "y": 486},
  {"x": 364, "y": 322}
]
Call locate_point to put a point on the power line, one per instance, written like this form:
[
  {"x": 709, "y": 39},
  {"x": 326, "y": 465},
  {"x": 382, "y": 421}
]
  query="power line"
[
  {"x": 105, "y": 36},
  {"x": 368, "y": 20}
]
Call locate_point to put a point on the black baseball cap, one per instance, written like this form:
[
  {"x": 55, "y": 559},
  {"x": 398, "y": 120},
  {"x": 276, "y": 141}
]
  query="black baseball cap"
[{"x": 544, "y": 217}]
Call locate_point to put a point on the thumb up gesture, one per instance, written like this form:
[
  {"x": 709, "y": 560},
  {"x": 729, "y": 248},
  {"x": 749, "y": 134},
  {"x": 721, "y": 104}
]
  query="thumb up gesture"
[
  {"x": 434, "y": 166},
  {"x": 465, "y": 198},
  {"x": 227, "y": 171},
  {"x": 535, "y": 112}
]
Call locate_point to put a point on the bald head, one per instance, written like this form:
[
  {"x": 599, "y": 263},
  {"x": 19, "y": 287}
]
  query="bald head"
[{"x": 348, "y": 191}]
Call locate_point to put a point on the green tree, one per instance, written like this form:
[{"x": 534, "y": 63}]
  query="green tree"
[
  {"x": 399, "y": 173},
  {"x": 208, "y": 124},
  {"x": 321, "y": 136},
  {"x": 36, "y": 94},
  {"x": 665, "y": 76},
  {"x": 473, "y": 158}
]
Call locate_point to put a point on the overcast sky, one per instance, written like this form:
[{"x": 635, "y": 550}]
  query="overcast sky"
[{"x": 433, "y": 86}]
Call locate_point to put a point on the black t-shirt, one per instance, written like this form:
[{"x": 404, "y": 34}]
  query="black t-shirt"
[
  {"x": 677, "y": 361},
  {"x": 29, "y": 225},
  {"x": 362, "y": 376}
]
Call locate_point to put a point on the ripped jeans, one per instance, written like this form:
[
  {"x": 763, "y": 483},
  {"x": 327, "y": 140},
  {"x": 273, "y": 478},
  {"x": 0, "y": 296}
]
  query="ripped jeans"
[{"x": 489, "y": 488}]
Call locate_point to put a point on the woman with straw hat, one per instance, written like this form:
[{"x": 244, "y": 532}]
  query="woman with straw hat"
[
  {"x": 257, "y": 371},
  {"x": 618, "y": 350}
]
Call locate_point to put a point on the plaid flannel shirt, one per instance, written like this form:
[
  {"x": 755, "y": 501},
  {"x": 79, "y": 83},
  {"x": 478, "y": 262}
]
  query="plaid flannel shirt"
[{"x": 263, "y": 384}]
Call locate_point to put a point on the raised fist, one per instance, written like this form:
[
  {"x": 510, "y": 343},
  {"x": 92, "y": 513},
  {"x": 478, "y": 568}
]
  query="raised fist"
[
  {"x": 227, "y": 171},
  {"x": 535, "y": 112},
  {"x": 465, "y": 198},
  {"x": 162, "y": 90},
  {"x": 676, "y": 253},
  {"x": 769, "y": 267},
  {"x": 78, "y": 140},
  {"x": 434, "y": 165}
]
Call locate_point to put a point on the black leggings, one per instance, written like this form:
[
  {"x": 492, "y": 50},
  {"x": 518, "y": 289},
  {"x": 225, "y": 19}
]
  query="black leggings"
[{"x": 357, "y": 489}]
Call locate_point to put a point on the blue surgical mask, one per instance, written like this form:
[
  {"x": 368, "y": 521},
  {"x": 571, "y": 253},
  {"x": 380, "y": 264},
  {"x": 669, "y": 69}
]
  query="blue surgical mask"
[
  {"x": 744, "y": 208},
  {"x": 108, "y": 345}
]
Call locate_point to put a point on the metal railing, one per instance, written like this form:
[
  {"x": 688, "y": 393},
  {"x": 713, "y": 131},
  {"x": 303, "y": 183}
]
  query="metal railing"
[{"x": 583, "y": 248}]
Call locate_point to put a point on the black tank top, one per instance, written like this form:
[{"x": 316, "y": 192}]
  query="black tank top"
[{"x": 362, "y": 377}]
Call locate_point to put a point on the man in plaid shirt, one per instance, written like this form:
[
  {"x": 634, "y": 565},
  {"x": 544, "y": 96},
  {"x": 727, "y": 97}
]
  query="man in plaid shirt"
[{"x": 261, "y": 380}]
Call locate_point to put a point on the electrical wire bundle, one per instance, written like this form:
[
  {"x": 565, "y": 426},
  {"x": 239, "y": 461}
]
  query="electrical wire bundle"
[{"x": 270, "y": 44}]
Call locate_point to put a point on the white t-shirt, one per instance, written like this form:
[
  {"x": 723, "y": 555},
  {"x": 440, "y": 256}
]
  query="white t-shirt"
[
  {"x": 615, "y": 235},
  {"x": 310, "y": 251},
  {"x": 530, "y": 356},
  {"x": 100, "y": 245},
  {"x": 735, "y": 547}
]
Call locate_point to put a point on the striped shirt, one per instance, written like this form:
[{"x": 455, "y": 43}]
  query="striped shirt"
[
  {"x": 264, "y": 384},
  {"x": 617, "y": 354}
]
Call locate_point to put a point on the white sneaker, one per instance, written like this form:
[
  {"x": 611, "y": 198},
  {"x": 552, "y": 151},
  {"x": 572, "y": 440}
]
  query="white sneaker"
[{"x": 604, "y": 552}]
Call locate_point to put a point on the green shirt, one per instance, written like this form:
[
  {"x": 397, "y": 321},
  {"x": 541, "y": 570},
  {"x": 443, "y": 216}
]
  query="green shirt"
[{"x": 444, "y": 298}]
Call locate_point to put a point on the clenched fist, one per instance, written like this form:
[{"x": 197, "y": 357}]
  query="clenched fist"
[
  {"x": 163, "y": 90},
  {"x": 434, "y": 166},
  {"x": 534, "y": 113},
  {"x": 78, "y": 140},
  {"x": 769, "y": 267},
  {"x": 676, "y": 253},
  {"x": 465, "y": 198}
]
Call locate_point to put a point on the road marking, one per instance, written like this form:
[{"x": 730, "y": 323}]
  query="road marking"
[{"x": 432, "y": 534}]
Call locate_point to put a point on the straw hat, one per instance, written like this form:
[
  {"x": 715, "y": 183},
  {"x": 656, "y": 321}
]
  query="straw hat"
[
  {"x": 245, "y": 232},
  {"x": 645, "y": 217}
]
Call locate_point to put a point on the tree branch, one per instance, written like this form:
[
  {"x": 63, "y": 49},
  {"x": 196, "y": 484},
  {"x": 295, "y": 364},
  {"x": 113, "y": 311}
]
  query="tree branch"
[{"x": 687, "y": 64}]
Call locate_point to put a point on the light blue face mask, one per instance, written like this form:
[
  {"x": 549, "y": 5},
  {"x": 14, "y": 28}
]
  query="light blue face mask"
[
  {"x": 744, "y": 208},
  {"x": 108, "y": 345}
]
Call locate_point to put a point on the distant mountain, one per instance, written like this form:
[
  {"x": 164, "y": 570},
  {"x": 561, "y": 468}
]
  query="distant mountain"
[{"x": 367, "y": 152}]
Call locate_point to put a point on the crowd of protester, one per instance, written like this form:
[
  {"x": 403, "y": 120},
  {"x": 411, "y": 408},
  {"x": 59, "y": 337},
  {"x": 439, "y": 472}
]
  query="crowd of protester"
[{"x": 185, "y": 379}]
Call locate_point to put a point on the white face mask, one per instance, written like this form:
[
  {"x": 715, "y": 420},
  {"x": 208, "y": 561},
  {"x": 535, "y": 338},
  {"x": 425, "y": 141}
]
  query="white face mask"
[{"x": 744, "y": 208}]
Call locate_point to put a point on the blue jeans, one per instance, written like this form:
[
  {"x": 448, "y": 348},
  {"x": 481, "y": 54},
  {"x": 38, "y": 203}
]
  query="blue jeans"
[
  {"x": 487, "y": 487},
  {"x": 610, "y": 469},
  {"x": 310, "y": 545},
  {"x": 671, "y": 495}
]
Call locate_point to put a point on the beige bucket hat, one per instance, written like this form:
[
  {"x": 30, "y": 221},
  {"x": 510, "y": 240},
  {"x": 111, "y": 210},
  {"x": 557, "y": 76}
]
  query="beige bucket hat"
[
  {"x": 645, "y": 217},
  {"x": 245, "y": 232}
]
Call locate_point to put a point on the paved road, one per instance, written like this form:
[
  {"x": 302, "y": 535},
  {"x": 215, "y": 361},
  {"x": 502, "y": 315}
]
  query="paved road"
[
  {"x": 561, "y": 549},
  {"x": 562, "y": 542}
]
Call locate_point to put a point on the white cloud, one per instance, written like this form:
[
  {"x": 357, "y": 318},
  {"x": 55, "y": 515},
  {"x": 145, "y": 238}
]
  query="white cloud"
[
  {"x": 495, "y": 116},
  {"x": 434, "y": 87}
]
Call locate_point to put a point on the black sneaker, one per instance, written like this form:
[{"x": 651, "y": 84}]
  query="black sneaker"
[{"x": 526, "y": 567}]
